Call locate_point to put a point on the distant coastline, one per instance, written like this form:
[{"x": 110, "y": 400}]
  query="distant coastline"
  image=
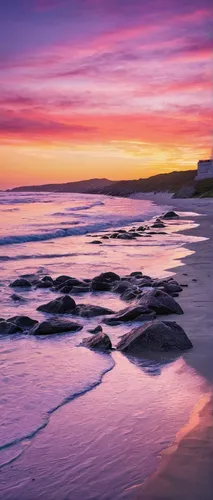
[{"x": 182, "y": 184}]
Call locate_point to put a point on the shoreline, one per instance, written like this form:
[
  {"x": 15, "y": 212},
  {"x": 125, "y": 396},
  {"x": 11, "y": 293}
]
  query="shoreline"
[
  {"x": 187, "y": 321},
  {"x": 185, "y": 470}
]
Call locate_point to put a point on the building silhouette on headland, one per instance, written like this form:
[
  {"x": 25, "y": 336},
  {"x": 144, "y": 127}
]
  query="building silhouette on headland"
[{"x": 204, "y": 169}]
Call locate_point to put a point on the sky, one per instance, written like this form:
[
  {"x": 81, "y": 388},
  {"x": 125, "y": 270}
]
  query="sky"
[{"x": 103, "y": 88}]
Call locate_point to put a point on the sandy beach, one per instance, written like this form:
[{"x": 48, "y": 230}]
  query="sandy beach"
[{"x": 186, "y": 467}]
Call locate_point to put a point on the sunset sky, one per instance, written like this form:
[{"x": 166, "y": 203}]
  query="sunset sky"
[{"x": 103, "y": 88}]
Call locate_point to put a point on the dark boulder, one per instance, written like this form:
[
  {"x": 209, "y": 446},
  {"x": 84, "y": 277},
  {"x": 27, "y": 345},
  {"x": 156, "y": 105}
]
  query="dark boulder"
[
  {"x": 95, "y": 330},
  {"x": 96, "y": 242},
  {"x": 171, "y": 215},
  {"x": 17, "y": 298},
  {"x": 44, "y": 284},
  {"x": 129, "y": 294},
  {"x": 80, "y": 289},
  {"x": 61, "y": 305},
  {"x": 155, "y": 336},
  {"x": 122, "y": 286},
  {"x": 47, "y": 278},
  {"x": 23, "y": 322},
  {"x": 101, "y": 341},
  {"x": 65, "y": 289},
  {"x": 8, "y": 328},
  {"x": 56, "y": 325},
  {"x": 21, "y": 282},
  {"x": 108, "y": 277},
  {"x": 61, "y": 279},
  {"x": 158, "y": 225},
  {"x": 100, "y": 286},
  {"x": 90, "y": 311},
  {"x": 137, "y": 313},
  {"x": 160, "y": 302},
  {"x": 136, "y": 274}
]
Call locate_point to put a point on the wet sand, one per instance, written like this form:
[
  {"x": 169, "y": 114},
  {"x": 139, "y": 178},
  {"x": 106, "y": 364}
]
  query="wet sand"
[{"x": 186, "y": 467}]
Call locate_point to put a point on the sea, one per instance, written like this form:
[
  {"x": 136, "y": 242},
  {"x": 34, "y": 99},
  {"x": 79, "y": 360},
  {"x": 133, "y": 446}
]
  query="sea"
[{"x": 77, "y": 424}]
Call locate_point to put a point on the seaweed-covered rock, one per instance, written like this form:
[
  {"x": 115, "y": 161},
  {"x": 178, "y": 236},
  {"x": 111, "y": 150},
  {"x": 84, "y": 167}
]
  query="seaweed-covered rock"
[
  {"x": 101, "y": 342},
  {"x": 155, "y": 336},
  {"x": 160, "y": 302},
  {"x": 61, "y": 305},
  {"x": 56, "y": 325}
]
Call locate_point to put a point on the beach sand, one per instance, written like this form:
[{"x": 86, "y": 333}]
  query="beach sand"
[{"x": 186, "y": 467}]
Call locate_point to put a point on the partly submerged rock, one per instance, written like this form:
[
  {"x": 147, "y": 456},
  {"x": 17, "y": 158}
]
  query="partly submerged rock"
[
  {"x": 95, "y": 330},
  {"x": 160, "y": 302},
  {"x": 56, "y": 325},
  {"x": 170, "y": 215},
  {"x": 138, "y": 313},
  {"x": 101, "y": 341},
  {"x": 96, "y": 242},
  {"x": 155, "y": 336},
  {"x": 23, "y": 322},
  {"x": 22, "y": 283},
  {"x": 107, "y": 277},
  {"x": 17, "y": 298},
  {"x": 89, "y": 311},
  {"x": 7, "y": 328},
  {"x": 44, "y": 284},
  {"x": 61, "y": 305}
]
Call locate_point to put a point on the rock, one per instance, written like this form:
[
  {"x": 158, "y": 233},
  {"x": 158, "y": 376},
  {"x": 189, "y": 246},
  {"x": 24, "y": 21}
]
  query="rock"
[
  {"x": 170, "y": 286},
  {"x": 137, "y": 313},
  {"x": 122, "y": 286},
  {"x": 80, "y": 289},
  {"x": 105, "y": 237},
  {"x": 160, "y": 302},
  {"x": 96, "y": 242},
  {"x": 98, "y": 286},
  {"x": 158, "y": 225},
  {"x": 7, "y": 328},
  {"x": 129, "y": 294},
  {"x": 141, "y": 228},
  {"x": 21, "y": 282},
  {"x": 97, "y": 329},
  {"x": 108, "y": 277},
  {"x": 101, "y": 341},
  {"x": 194, "y": 279},
  {"x": 61, "y": 279},
  {"x": 65, "y": 289},
  {"x": 61, "y": 305},
  {"x": 171, "y": 215},
  {"x": 17, "y": 298},
  {"x": 155, "y": 336},
  {"x": 47, "y": 278},
  {"x": 69, "y": 282},
  {"x": 44, "y": 284},
  {"x": 126, "y": 236},
  {"x": 136, "y": 274},
  {"x": 23, "y": 322},
  {"x": 89, "y": 311},
  {"x": 103, "y": 281},
  {"x": 56, "y": 325}
]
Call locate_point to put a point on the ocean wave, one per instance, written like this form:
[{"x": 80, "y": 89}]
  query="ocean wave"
[
  {"x": 31, "y": 434},
  {"x": 6, "y": 258},
  {"x": 73, "y": 231},
  {"x": 86, "y": 207}
]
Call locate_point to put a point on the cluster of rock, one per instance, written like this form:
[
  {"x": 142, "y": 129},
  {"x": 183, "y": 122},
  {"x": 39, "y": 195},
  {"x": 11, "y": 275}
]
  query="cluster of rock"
[
  {"x": 142, "y": 231},
  {"x": 150, "y": 298}
]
